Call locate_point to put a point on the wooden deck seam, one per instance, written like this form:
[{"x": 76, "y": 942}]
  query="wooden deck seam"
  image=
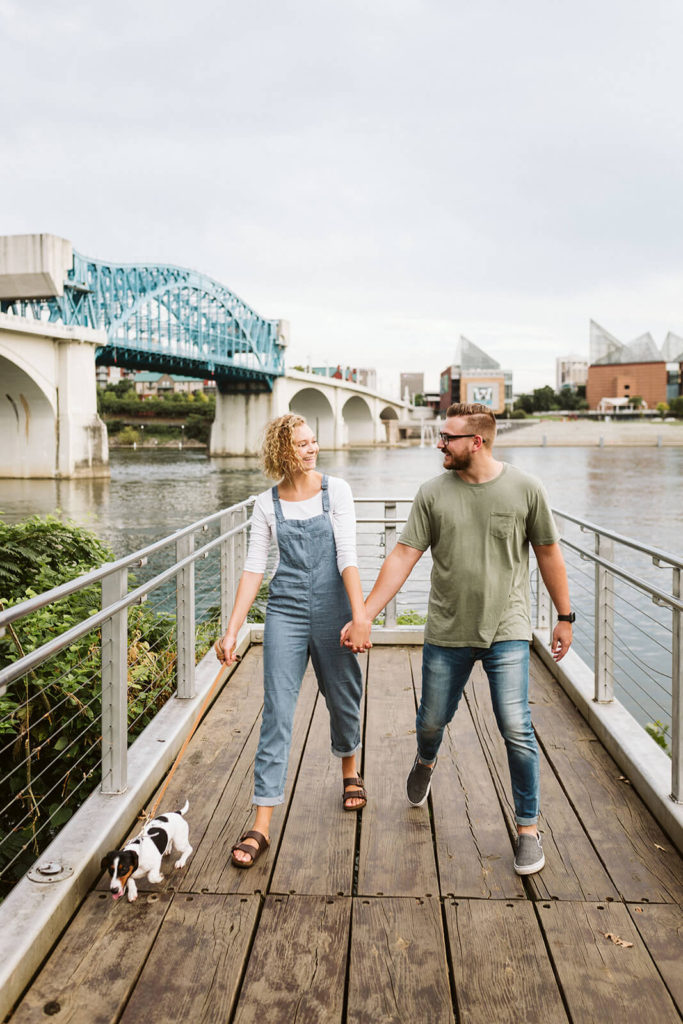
[{"x": 274, "y": 849}]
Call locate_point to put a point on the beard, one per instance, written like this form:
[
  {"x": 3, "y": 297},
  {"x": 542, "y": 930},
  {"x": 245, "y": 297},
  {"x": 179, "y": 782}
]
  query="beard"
[{"x": 457, "y": 462}]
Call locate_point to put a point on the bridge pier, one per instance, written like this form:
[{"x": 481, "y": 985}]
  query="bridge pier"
[
  {"x": 48, "y": 401},
  {"x": 239, "y": 421}
]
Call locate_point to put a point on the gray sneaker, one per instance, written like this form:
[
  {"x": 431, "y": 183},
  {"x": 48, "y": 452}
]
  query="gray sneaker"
[
  {"x": 419, "y": 782},
  {"x": 529, "y": 856}
]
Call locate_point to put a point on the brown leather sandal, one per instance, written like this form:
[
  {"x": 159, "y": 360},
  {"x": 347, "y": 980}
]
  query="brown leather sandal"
[
  {"x": 354, "y": 794},
  {"x": 254, "y": 853}
]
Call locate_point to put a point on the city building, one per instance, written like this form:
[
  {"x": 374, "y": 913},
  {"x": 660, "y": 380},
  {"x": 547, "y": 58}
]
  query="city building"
[
  {"x": 619, "y": 371},
  {"x": 411, "y": 384},
  {"x": 570, "y": 372},
  {"x": 148, "y": 383},
  {"x": 475, "y": 377},
  {"x": 111, "y": 375}
]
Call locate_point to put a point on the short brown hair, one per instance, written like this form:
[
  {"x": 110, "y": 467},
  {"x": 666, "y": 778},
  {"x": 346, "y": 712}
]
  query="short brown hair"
[
  {"x": 482, "y": 420},
  {"x": 279, "y": 457}
]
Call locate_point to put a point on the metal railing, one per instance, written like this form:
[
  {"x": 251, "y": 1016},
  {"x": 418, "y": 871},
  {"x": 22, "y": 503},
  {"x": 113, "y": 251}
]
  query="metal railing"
[
  {"x": 138, "y": 656},
  {"x": 70, "y": 708},
  {"x": 629, "y": 627}
]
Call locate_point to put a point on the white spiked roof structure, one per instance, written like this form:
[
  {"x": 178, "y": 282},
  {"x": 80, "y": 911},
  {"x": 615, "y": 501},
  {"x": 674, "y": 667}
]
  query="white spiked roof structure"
[
  {"x": 469, "y": 356},
  {"x": 605, "y": 349}
]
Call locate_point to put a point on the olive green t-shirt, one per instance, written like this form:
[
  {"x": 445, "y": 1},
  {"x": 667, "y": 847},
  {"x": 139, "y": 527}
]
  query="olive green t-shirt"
[{"x": 479, "y": 535}]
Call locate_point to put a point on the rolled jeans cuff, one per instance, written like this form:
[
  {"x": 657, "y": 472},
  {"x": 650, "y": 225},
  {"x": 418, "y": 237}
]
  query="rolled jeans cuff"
[
  {"x": 268, "y": 801},
  {"x": 526, "y": 821},
  {"x": 347, "y": 753}
]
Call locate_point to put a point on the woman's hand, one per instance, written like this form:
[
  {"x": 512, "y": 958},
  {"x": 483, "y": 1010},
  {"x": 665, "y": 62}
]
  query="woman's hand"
[
  {"x": 356, "y": 635},
  {"x": 225, "y": 648}
]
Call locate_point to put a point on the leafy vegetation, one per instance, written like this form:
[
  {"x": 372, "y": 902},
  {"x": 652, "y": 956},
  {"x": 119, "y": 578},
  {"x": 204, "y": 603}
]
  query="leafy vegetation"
[
  {"x": 547, "y": 400},
  {"x": 659, "y": 731}
]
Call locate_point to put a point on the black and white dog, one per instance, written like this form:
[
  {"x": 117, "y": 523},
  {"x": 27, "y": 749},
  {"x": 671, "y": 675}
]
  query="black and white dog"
[{"x": 142, "y": 855}]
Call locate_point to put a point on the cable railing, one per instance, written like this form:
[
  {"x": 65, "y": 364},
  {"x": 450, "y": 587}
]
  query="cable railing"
[
  {"x": 629, "y": 627},
  {"x": 128, "y": 637},
  {"x": 71, "y": 706}
]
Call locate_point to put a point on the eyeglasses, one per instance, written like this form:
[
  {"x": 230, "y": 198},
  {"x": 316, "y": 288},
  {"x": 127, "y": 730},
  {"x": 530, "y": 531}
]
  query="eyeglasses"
[{"x": 454, "y": 437}]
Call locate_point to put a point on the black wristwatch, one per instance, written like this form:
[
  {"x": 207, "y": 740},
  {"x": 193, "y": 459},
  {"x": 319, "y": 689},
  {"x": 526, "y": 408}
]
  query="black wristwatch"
[{"x": 567, "y": 618}]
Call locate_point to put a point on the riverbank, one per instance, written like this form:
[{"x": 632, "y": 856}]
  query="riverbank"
[{"x": 588, "y": 433}]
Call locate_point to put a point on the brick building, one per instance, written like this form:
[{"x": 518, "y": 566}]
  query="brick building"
[{"x": 639, "y": 369}]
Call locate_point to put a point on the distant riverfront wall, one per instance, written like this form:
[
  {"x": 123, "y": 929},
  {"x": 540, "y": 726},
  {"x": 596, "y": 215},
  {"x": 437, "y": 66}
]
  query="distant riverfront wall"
[{"x": 576, "y": 433}]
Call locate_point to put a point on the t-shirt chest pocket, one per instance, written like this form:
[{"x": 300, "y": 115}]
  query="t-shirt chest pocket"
[{"x": 501, "y": 524}]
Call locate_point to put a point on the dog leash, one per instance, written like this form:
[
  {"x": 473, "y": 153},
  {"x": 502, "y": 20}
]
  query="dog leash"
[{"x": 147, "y": 816}]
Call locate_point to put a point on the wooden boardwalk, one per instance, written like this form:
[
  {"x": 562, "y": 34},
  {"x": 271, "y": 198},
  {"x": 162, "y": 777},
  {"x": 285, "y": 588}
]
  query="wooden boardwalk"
[{"x": 398, "y": 914}]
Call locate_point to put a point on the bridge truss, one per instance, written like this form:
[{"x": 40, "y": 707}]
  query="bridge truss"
[{"x": 164, "y": 318}]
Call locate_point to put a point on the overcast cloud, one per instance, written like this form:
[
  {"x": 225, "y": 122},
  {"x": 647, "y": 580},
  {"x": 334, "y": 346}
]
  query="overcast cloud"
[{"x": 386, "y": 175}]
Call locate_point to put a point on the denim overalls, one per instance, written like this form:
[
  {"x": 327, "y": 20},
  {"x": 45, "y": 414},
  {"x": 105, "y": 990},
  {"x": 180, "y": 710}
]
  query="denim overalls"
[{"x": 307, "y": 607}]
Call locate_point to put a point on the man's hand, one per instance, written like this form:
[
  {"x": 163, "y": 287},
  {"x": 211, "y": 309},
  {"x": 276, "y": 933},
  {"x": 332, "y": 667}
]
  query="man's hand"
[{"x": 562, "y": 640}]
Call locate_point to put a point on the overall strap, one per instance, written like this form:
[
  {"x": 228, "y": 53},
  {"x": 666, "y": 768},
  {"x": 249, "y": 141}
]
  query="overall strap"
[
  {"x": 277, "y": 507},
  {"x": 326, "y": 495}
]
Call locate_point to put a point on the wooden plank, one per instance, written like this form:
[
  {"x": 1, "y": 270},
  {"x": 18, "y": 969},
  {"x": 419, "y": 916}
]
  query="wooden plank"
[
  {"x": 194, "y": 969},
  {"x": 396, "y": 849},
  {"x": 500, "y": 965},
  {"x": 398, "y": 970},
  {"x": 661, "y": 928},
  {"x": 603, "y": 981},
  {"x": 209, "y": 761},
  {"x": 639, "y": 857},
  {"x": 297, "y": 965},
  {"x": 210, "y": 869},
  {"x": 317, "y": 851},
  {"x": 94, "y": 967},
  {"x": 472, "y": 841},
  {"x": 573, "y": 870}
]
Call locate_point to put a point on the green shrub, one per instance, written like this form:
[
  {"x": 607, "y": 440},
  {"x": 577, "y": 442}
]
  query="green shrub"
[{"x": 129, "y": 435}]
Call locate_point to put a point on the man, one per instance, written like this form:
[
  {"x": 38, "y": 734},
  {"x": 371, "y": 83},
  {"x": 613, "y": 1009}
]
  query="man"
[{"x": 479, "y": 519}]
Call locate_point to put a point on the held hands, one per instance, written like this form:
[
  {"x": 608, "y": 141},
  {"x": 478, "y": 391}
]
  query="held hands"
[
  {"x": 562, "y": 640},
  {"x": 356, "y": 635},
  {"x": 225, "y": 649}
]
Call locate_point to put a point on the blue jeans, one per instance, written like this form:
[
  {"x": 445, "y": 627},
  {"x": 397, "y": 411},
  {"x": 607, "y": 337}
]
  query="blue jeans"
[{"x": 445, "y": 671}]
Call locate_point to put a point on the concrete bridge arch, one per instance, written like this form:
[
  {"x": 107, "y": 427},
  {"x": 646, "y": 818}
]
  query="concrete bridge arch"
[
  {"x": 316, "y": 409},
  {"x": 48, "y": 406}
]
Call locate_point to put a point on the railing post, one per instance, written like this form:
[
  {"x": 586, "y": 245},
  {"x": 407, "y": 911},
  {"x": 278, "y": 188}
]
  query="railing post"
[
  {"x": 389, "y": 545},
  {"x": 676, "y": 695},
  {"x": 185, "y": 616},
  {"x": 604, "y": 623},
  {"x": 543, "y": 606},
  {"x": 228, "y": 575},
  {"x": 240, "y": 545},
  {"x": 114, "y": 656}
]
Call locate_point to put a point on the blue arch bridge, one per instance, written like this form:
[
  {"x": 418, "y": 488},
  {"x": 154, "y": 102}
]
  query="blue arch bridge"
[{"x": 62, "y": 313}]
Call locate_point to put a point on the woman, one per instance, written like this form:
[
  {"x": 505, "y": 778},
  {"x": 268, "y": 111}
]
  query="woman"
[{"x": 315, "y": 588}]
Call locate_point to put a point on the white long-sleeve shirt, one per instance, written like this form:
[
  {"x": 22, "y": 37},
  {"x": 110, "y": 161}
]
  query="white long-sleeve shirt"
[{"x": 342, "y": 513}]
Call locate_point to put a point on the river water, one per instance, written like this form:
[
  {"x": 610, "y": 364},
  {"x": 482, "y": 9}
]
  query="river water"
[
  {"x": 151, "y": 492},
  {"x": 633, "y": 491}
]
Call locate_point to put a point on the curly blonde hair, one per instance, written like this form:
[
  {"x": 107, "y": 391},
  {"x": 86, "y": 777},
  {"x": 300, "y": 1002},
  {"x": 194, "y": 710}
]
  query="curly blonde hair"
[{"x": 279, "y": 458}]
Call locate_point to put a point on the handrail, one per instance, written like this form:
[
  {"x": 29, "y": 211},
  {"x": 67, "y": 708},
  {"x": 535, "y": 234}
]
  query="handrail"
[
  {"x": 136, "y": 560},
  {"x": 657, "y": 556},
  {"x": 657, "y": 595},
  {"x": 40, "y": 654}
]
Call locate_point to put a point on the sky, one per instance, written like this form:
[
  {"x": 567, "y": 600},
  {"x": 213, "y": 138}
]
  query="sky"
[{"x": 387, "y": 175}]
